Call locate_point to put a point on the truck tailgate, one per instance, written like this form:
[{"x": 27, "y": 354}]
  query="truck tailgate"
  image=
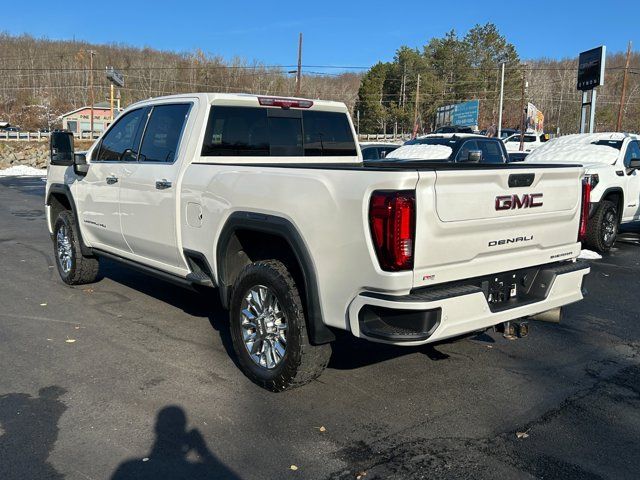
[{"x": 473, "y": 222}]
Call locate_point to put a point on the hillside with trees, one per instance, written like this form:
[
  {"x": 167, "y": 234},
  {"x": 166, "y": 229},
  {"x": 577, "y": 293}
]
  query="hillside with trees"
[
  {"x": 41, "y": 79},
  {"x": 457, "y": 68}
]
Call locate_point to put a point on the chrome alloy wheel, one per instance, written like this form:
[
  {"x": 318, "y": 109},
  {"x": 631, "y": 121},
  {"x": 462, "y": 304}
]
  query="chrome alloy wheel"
[
  {"x": 264, "y": 327},
  {"x": 64, "y": 249},
  {"x": 610, "y": 225}
]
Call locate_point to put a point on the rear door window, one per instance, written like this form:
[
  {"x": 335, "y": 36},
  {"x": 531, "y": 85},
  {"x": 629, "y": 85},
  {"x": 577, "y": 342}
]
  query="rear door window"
[
  {"x": 251, "y": 131},
  {"x": 163, "y": 132}
]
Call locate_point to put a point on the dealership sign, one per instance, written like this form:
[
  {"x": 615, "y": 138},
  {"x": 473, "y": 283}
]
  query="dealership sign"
[
  {"x": 591, "y": 68},
  {"x": 463, "y": 114}
]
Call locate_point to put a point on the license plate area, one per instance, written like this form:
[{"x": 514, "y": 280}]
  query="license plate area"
[{"x": 507, "y": 290}]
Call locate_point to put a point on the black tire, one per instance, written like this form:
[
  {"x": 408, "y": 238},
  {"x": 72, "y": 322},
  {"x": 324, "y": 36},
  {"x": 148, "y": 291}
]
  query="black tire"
[
  {"x": 301, "y": 362},
  {"x": 79, "y": 269},
  {"x": 602, "y": 228}
]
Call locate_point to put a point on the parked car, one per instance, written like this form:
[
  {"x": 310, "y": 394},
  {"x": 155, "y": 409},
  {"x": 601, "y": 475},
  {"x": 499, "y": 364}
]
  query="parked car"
[
  {"x": 453, "y": 129},
  {"x": 504, "y": 133},
  {"x": 531, "y": 142},
  {"x": 612, "y": 161},
  {"x": 376, "y": 151},
  {"x": 507, "y": 132},
  {"x": 452, "y": 147},
  {"x": 267, "y": 200}
]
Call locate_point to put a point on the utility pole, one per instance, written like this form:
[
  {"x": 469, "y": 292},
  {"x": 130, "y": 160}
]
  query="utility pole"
[
  {"x": 415, "y": 109},
  {"x": 299, "y": 71},
  {"x": 524, "y": 80},
  {"x": 501, "y": 100},
  {"x": 624, "y": 88},
  {"x": 92, "y": 100}
]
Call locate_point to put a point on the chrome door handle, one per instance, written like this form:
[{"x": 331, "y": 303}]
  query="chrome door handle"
[
  {"x": 163, "y": 184},
  {"x": 111, "y": 180}
]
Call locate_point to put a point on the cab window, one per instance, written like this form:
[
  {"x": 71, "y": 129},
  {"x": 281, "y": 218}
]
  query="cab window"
[
  {"x": 633, "y": 151},
  {"x": 467, "y": 146},
  {"x": 491, "y": 151},
  {"x": 119, "y": 143},
  {"x": 250, "y": 131}
]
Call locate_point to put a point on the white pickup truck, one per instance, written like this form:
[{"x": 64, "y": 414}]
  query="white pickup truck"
[
  {"x": 267, "y": 199},
  {"x": 612, "y": 161}
]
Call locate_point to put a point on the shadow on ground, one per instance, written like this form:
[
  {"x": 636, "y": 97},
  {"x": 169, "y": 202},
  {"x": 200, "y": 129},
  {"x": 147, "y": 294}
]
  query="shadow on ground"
[
  {"x": 177, "y": 453},
  {"x": 28, "y": 432}
]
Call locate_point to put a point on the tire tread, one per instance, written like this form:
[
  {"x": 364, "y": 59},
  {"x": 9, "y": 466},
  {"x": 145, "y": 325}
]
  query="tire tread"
[
  {"x": 309, "y": 361},
  {"x": 85, "y": 269}
]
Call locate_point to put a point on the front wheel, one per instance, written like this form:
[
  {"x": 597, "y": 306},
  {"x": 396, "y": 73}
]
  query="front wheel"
[
  {"x": 602, "y": 229},
  {"x": 73, "y": 267},
  {"x": 268, "y": 329}
]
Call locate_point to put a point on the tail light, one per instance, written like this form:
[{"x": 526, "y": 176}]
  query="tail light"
[
  {"x": 584, "y": 214},
  {"x": 392, "y": 218}
]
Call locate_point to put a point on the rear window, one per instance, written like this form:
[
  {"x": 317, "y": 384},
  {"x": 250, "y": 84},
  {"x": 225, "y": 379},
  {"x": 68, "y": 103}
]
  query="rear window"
[
  {"x": 491, "y": 151},
  {"x": 263, "y": 132}
]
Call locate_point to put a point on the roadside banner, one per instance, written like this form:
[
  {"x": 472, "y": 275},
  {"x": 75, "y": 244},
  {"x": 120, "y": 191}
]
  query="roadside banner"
[
  {"x": 535, "y": 119},
  {"x": 463, "y": 114},
  {"x": 466, "y": 114}
]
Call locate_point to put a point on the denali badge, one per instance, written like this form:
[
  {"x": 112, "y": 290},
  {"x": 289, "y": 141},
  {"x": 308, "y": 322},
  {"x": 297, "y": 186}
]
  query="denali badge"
[
  {"x": 505, "y": 241},
  {"x": 511, "y": 202}
]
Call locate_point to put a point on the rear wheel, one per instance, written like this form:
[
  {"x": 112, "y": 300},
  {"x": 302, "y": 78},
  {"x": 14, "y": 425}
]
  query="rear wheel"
[
  {"x": 74, "y": 268},
  {"x": 268, "y": 329},
  {"x": 602, "y": 229}
]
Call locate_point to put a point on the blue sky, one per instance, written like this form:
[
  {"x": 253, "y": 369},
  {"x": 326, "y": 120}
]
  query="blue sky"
[{"x": 335, "y": 32}]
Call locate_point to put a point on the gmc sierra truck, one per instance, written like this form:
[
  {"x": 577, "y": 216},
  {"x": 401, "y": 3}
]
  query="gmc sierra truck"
[{"x": 267, "y": 200}]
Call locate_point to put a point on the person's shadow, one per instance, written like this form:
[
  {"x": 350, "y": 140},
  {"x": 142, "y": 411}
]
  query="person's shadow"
[
  {"x": 168, "y": 456},
  {"x": 29, "y": 429}
]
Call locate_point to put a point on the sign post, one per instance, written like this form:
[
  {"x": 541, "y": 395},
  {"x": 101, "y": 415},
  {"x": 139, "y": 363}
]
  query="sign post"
[{"x": 590, "y": 75}]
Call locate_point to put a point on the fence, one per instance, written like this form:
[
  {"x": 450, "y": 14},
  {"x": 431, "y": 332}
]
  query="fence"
[
  {"x": 383, "y": 137},
  {"x": 35, "y": 136}
]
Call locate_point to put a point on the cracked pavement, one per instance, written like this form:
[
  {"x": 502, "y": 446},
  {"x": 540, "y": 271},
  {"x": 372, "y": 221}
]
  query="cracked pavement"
[{"x": 131, "y": 377}]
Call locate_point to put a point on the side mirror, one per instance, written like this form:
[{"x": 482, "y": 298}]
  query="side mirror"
[
  {"x": 61, "y": 148},
  {"x": 80, "y": 165},
  {"x": 474, "y": 156},
  {"x": 634, "y": 163}
]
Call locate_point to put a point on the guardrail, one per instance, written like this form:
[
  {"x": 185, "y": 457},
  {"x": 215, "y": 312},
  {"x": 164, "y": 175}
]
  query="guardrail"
[{"x": 35, "y": 136}]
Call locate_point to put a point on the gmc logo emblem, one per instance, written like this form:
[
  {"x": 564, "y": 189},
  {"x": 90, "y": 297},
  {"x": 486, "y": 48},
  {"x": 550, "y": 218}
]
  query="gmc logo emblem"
[{"x": 512, "y": 202}]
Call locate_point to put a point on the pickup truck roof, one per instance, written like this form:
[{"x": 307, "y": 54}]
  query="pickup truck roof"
[
  {"x": 581, "y": 148},
  {"x": 244, "y": 99}
]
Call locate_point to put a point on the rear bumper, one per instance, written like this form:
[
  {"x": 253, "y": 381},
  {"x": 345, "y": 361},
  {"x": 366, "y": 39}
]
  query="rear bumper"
[{"x": 437, "y": 313}]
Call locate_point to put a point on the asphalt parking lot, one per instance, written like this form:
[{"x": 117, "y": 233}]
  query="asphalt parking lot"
[{"x": 131, "y": 377}]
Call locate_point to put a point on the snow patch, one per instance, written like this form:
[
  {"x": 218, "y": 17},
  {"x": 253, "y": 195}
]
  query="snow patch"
[
  {"x": 23, "y": 171},
  {"x": 577, "y": 148},
  {"x": 589, "y": 255},
  {"x": 421, "y": 152}
]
